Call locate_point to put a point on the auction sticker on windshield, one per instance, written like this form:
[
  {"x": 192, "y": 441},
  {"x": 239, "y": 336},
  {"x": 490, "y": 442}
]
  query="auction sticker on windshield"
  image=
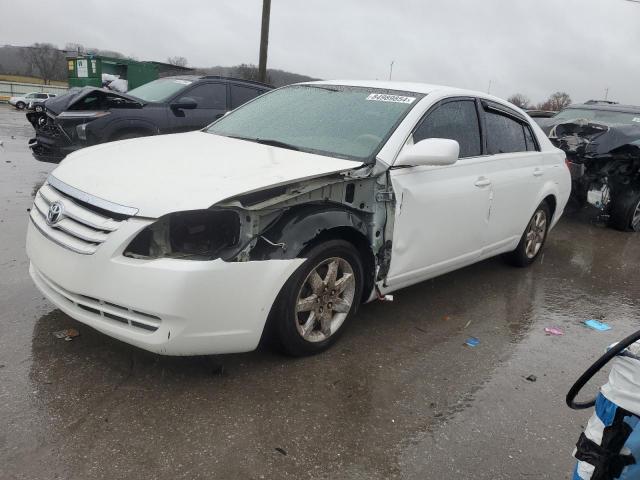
[
  {"x": 183, "y": 82},
  {"x": 381, "y": 97}
]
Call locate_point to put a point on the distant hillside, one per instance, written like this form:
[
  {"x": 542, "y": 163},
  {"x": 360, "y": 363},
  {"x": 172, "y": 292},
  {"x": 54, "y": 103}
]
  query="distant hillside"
[
  {"x": 277, "y": 78},
  {"x": 16, "y": 61}
]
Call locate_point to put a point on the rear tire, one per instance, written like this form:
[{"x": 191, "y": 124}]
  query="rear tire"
[
  {"x": 533, "y": 238},
  {"x": 20, "y": 105},
  {"x": 316, "y": 302},
  {"x": 625, "y": 210},
  {"x": 38, "y": 108}
]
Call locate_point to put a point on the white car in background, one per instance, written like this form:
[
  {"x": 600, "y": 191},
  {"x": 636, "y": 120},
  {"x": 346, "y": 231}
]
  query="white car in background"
[
  {"x": 30, "y": 100},
  {"x": 286, "y": 214}
]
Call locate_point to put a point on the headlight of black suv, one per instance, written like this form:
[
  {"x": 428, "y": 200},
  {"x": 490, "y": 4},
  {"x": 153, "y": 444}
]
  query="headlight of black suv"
[{"x": 191, "y": 235}]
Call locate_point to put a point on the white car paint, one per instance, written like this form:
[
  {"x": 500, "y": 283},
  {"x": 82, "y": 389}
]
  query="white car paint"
[
  {"x": 446, "y": 217},
  {"x": 29, "y": 98},
  {"x": 209, "y": 167}
]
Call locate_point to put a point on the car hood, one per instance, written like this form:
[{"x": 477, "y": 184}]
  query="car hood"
[
  {"x": 187, "y": 171},
  {"x": 61, "y": 103}
]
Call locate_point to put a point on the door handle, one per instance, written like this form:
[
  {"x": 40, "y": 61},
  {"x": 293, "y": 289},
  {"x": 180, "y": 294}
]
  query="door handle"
[
  {"x": 482, "y": 182},
  {"x": 538, "y": 172}
]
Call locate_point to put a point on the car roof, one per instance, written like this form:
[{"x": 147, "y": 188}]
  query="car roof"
[
  {"x": 607, "y": 107},
  {"x": 416, "y": 87},
  {"x": 194, "y": 78}
]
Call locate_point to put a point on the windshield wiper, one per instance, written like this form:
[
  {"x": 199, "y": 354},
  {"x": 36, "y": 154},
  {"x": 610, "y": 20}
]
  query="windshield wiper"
[
  {"x": 263, "y": 141},
  {"x": 275, "y": 143}
]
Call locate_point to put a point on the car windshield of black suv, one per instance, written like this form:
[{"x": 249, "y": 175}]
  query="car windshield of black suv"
[
  {"x": 601, "y": 116},
  {"x": 338, "y": 121},
  {"x": 159, "y": 90}
]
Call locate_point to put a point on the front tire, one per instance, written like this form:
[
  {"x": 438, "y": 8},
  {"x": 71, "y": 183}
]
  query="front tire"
[
  {"x": 314, "y": 305},
  {"x": 20, "y": 105},
  {"x": 533, "y": 238},
  {"x": 38, "y": 109},
  {"x": 625, "y": 211}
]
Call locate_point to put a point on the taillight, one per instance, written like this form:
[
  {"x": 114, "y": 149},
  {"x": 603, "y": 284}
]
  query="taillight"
[{"x": 566, "y": 162}]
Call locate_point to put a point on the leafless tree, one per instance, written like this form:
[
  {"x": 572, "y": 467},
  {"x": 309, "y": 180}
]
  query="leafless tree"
[
  {"x": 177, "y": 61},
  {"x": 556, "y": 102},
  {"x": 519, "y": 100},
  {"x": 76, "y": 48},
  {"x": 47, "y": 61}
]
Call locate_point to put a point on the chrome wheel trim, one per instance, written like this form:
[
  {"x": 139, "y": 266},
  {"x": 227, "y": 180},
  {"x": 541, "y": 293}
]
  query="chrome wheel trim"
[
  {"x": 535, "y": 234},
  {"x": 324, "y": 299},
  {"x": 635, "y": 219}
]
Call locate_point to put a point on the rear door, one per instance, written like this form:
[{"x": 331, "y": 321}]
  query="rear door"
[
  {"x": 441, "y": 213},
  {"x": 243, "y": 93},
  {"x": 211, "y": 99},
  {"x": 517, "y": 174}
]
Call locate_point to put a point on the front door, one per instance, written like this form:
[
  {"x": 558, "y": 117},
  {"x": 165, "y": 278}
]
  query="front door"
[
  {"x": 441, "y": 213},
  {"x": 211, "y": 99}
]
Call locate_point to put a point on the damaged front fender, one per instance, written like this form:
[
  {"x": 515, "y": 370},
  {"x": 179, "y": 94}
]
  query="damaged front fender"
[{"x": 299, "y": 227}]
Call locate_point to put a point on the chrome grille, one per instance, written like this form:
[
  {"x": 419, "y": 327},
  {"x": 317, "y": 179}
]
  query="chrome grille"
[
  {"x": 78, "y": 228},
  {"x": 100, "y": 309}
]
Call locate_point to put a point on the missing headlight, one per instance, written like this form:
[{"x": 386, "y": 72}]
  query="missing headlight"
[{"x": 192, "y": 235}]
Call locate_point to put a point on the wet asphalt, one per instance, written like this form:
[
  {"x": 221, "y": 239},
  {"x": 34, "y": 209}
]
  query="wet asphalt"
[{"x": 400, "y": 396}]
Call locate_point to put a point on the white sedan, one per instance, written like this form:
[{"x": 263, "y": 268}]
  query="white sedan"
[{"x": 286, "y": 214}]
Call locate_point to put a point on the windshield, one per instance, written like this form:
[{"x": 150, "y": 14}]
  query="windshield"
[
  {"x": 603, "y": 116},
  {"x": 159, "y": 90},
  {"x": 340, "y": 121}
]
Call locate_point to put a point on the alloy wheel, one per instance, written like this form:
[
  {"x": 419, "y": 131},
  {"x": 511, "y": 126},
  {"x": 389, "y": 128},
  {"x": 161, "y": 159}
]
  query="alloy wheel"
[
  {"x": 536, "y": 233},
  {"x": 325, "y": 299}
]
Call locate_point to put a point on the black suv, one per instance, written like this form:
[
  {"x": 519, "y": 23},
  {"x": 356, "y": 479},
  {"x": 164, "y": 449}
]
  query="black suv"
[{"x": 89, "y": 116}]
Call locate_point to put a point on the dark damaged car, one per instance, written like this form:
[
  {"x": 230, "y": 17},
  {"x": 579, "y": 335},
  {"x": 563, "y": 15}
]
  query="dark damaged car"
[
  {"x": 90, "y": 116},
  {"x": 602, "y": 143}
]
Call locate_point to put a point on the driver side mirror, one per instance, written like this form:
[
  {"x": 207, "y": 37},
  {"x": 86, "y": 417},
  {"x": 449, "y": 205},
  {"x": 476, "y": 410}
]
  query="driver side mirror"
[
  {"x": 430, "y": 151},
  {"x": 184, "y": 103}
]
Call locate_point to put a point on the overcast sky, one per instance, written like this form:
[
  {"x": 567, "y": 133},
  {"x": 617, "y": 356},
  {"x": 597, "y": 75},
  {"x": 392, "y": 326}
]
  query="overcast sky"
[{"x": 531, "y": 46}]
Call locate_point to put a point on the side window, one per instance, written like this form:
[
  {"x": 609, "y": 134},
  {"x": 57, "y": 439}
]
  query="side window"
[
  {"x": 457, "y": 120},
  {"x": 504, "y": 134},
  {"x": 528, "y": 137},
  {"x": 41, "y": 95},
  {"x": 30, "y": 95},
  {"x": 240, "y": 95},
  {"x": 209, "y": 95}
]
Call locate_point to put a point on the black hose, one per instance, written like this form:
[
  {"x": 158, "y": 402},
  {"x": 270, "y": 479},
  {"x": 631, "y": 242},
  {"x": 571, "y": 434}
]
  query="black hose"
[{"x": 595, "y": 368}]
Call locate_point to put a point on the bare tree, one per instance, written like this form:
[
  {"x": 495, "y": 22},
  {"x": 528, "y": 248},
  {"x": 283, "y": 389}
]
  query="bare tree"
[
  {"x": 556, "y": 102},
  {"x": 519, "y": 100},
  {"x": 47, "y": 61},
  {"x": 177, "y": 61},
  {"x": 77, "y": 48}
]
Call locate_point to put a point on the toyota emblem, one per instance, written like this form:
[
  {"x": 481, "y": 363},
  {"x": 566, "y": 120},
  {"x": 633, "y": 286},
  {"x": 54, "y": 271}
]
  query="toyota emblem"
[{"x": 54, "y": 215}]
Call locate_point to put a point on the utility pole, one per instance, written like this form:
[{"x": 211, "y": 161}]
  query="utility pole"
[
  {"x": 489, "y": 89},
  {"x": 606, "y": 94},
  {"x": 264, "y": 40},
  {"x": 391, "y": 69}
]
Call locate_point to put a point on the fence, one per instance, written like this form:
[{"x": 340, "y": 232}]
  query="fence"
[{"x": 12, "y": 89}]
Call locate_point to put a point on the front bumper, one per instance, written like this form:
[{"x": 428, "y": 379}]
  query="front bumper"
[
  {"x": 166, "y": 306},
  {"x": 50, "y": 149}
]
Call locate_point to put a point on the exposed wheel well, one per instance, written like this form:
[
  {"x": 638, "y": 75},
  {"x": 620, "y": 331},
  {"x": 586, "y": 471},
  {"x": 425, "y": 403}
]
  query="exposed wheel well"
[
  {"x": 553, "y": 203},
  {"x": 360, "y": 242}
]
